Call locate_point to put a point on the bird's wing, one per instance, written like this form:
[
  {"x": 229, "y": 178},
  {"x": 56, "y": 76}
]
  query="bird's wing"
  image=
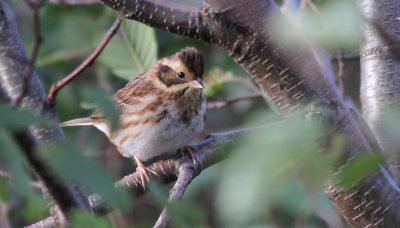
[
  {"x": 129, "y": 97},
  {"x": 125, "y": 98},
  {"x": 135, "y": 92}
]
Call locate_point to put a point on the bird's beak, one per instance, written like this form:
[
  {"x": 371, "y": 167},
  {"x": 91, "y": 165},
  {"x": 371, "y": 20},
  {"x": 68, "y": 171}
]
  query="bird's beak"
[{"x": 196, "y": 84}]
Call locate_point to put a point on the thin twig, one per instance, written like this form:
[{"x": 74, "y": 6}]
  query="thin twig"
[
  {"x": 35, "y": 7},
  {"x": 340, "y": 75},
  {"x": 313, "y": 6},
  {"x": 55, "y": 88},
  {"x": 246, "y": 81},
  {"x": 229, "y": 100},
  {"x": 346, "y": 57}
]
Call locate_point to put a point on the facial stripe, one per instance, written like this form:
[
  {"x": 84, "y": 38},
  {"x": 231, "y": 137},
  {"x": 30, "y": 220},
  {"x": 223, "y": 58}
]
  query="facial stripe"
[{"x": 168, "y": 76}]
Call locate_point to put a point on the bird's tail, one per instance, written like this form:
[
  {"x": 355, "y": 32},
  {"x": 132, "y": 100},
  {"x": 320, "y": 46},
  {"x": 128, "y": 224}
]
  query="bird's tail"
[{"x": 78, "y": 122}]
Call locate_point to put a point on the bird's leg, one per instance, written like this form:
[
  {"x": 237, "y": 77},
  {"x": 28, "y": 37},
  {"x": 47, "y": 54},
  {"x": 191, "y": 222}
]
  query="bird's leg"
[
  {"x": 142, "y": 170},
  {"x": 190, "y": 150}
]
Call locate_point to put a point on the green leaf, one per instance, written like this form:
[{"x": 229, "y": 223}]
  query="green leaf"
[
  {"x": 11, "y": 158},
  {"x": 67, "y": 163},
  {"x": 270, "y": 160},
  {"x": 17, "y": 119},
  {"x": 359, "y": 168},
  {"x": 132, "y": 52},
  {"x": 184, "y": 213},
  {"x": 3, "y": 189},
  {"x": 83, "y": 219}
]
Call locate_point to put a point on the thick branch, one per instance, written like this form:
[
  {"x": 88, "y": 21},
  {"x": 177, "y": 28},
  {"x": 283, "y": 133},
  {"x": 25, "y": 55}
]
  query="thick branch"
[
  {"x": 13, "y": 65},
  {"x": 185, "y": 22},
  {"x": 380, "y": 72},
  {"x": 35, "y": 7}
]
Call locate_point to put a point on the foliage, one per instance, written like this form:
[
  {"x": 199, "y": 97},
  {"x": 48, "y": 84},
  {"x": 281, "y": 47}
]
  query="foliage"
[
  {"x": 274, "y": 178},
  {"x": 132, "y": 52}
]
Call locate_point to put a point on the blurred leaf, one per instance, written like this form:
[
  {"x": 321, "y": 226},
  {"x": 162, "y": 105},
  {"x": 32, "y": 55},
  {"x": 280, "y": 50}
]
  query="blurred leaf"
[
  {"x": 11, "y": 158},
  {"x": 35, "y": 209},
  {"x": 264, "y": 163},
  {"x": 214, "y": 88},
  {"x": 3, "y": 189},
  {"x": 17, "y": 119},
  {"x": 100, "y": 100},
  {"x": 336, "y": 25},
  {"x": 84, "y": 219},
  {"x": 215, "y": 81},
  {"x": 311, "y": 163},
  {"x": 359, "y": 168},
  {"x": 186, "y": 213},
  {"x": 59, "y": 22},
  {"x": 183, "y": 213},
  {"x": 66, "y": 161},
  {"x": 132, "y": 52}
]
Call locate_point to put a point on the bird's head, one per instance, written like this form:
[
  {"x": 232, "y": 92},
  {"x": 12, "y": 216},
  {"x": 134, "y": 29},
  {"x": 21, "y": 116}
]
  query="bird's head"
[{"x": 183, "y": 70}]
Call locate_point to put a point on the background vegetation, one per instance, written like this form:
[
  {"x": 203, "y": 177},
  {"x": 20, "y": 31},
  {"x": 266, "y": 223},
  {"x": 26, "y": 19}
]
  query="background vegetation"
[{"x": 281, "y": 186}]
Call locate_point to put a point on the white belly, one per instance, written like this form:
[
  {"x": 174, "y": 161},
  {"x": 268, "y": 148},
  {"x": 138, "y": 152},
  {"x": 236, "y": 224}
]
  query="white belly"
[{"x": 163, "y": 137}]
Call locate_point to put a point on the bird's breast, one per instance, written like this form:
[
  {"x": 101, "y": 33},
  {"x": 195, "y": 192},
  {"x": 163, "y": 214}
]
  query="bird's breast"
[{"x": 159, "y": 127}]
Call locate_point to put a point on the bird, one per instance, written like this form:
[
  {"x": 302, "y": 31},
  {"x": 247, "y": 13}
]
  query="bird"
[{"x": 161, "y": 110}]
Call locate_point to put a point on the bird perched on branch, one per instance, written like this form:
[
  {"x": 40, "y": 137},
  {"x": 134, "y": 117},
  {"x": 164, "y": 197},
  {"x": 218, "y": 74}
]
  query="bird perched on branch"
[{"x": 161, "y": 110}]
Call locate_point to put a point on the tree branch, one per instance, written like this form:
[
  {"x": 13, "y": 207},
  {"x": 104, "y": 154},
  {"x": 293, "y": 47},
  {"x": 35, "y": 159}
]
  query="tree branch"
[
  {"x": 185, "y": 22},
  {"x": 380, "y": 72},
  {"x": 35, "y": 7},
  {"x": 13, "y": 63},
  {"x": 56, "y": 87},
  {"x": 229, "y": 100},
  {"x": 186, "y": 174},
  {"x": 208, "y": 152},
  {"x": 345, "y": 57}
]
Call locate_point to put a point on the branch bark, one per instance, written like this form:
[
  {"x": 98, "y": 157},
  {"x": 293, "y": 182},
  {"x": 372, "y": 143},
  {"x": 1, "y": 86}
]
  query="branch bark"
[
  {"x": 291, "y": 76},
  {"x": 13, "y": 65},
  {"x": 380, "y": 71},
  {"x": 35, "y": 7},
  {"x": 185, "y": 22}
]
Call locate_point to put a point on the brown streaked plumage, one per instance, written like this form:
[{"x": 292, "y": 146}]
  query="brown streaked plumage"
[{"x": 161, "y": 110}]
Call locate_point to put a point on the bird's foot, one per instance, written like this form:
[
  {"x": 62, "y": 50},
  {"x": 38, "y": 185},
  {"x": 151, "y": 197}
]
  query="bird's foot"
[
  {"x": 143, "y": 172},
  {"x": 190, "y": 150}
]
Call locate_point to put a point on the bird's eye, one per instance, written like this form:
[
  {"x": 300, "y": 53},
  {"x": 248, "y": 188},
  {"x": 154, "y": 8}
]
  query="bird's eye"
[{"x": 181, "y": 75}]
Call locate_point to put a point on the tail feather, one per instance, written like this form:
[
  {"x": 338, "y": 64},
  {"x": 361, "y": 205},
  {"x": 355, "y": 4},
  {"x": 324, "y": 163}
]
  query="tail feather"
[{"x": 77, "y": 122}]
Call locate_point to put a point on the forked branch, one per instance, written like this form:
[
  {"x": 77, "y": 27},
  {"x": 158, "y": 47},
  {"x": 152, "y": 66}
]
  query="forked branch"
[{"x": 56, "y": 87}]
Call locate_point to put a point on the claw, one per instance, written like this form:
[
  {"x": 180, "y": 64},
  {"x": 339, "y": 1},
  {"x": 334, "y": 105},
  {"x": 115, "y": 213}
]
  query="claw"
[
  {"x": 143, "y": 172},
  {"x": 190, "y": 150}
]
